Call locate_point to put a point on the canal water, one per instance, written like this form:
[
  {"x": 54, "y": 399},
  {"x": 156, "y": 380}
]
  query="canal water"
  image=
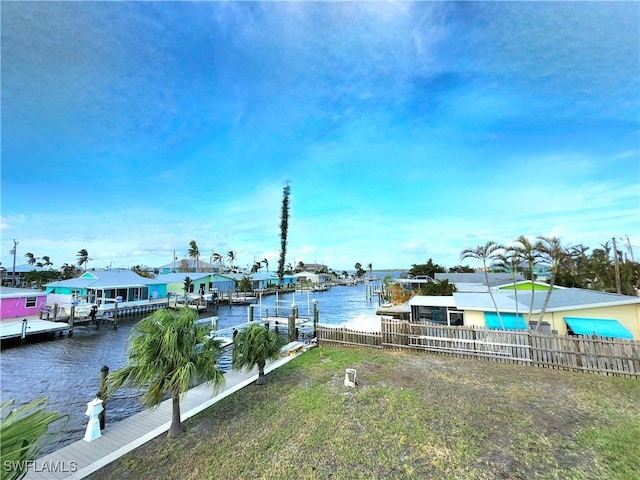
[{"x": 66, "y": 371}]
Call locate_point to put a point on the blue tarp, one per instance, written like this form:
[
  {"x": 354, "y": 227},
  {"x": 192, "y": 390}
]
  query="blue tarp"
[
  {"x": 598, "y": 326},
  {"x": 509, "y": 321}
]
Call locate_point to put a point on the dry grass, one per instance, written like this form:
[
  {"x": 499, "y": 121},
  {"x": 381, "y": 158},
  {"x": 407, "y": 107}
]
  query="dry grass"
[{"x": 411, "y": 416}]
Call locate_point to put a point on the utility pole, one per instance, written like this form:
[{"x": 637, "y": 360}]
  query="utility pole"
[
  {"x": 633, "y": 260},
  {"x": 13, "y": 273},
  {"x": 617, "y": 266}
]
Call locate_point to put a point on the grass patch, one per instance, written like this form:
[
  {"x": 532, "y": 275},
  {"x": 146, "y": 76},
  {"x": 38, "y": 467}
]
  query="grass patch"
[{"x": 410, "y": 416}]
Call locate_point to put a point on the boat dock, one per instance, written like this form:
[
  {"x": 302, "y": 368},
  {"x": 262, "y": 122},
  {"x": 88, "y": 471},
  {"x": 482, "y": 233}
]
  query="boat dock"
[
  {"x": 82, "y": 458},
  {"x": 23, "y": 328}
]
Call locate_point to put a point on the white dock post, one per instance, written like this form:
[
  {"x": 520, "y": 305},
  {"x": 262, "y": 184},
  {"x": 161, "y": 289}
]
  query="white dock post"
[{"x": 94, "y": 407}]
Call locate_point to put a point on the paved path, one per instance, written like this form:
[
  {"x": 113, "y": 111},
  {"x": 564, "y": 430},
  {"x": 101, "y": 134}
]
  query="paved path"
[{"x": 79, "y": 459}]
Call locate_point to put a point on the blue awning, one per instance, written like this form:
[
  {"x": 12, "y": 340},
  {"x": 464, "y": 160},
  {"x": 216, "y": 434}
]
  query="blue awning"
[
  {"x": 509, "y": 321},
  {"x": 597, "y": 326}
]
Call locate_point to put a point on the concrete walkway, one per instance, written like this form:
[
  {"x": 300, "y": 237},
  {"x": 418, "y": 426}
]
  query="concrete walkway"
[{"x": 79, "y": 459}]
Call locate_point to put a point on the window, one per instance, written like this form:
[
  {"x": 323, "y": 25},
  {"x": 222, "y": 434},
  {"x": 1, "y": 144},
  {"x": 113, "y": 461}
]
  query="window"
[{"x": 30, "y": 302}]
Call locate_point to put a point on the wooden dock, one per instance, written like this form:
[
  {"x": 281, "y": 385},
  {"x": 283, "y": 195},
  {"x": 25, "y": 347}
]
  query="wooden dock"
[{"x": 80, "y": 459}]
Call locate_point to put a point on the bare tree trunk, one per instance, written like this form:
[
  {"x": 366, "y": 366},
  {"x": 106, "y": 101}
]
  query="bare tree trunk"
[
  {"x": 261, "y": 378},
  {"x": 175, "y": 429}
]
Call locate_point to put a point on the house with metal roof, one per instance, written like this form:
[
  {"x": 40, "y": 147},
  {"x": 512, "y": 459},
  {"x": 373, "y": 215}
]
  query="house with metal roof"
[
  {"x": 189, "y": 265},
  {"x": 106, "y": 286},
  {"x": 203, "y": 283},
  {"x": 570, "y": 311}
]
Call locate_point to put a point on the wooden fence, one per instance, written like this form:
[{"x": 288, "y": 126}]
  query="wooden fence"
[{"x": 579, "y": 353}]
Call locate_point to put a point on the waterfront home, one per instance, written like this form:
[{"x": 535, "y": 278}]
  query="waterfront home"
[
  {"x": 9, "y": 274},
  {"x": 189, "y": 265},
  {"x": 570, "y": 311},
  {"x": 201, "y": 283},
  {"x": 315, "y": 278},
  {"x": 102, "y": 287},
  {"x": 21, "y": 302}
]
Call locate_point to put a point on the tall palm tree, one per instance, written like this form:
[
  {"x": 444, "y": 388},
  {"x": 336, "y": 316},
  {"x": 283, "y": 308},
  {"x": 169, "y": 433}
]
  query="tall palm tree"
[
  {"x": 530, "y": 253},
  {"x": 168, "y": 353},
  {"x": 486, "y": 253},
  {"x": 46, "y": 261},
  {"x": 231, "y": 255},
  {"x": 553, "y": 252},
  {"x": 253, "y": 347},
  {"x": 31, "y": 259},
  {"x": 511, "y": 260},
  {"x": 266, "y": 264},
  {"x": 194, "y": 253},
  {"x": 284, "y": 231},
  {"x": 83, "y": 258}
]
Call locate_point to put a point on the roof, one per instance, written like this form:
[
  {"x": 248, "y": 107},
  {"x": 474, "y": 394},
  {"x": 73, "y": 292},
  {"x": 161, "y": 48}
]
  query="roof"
[
  {"x": 28, "y": 268},
  {"x": 191, "y": 262},
  {"x": 180, "y": 276},
  {"x": 495, "y": 279},
  {"x": 11, "y": 292},
  {"x": 105, "y": 279},
  {"x": 432, "y": 301},
  {"x": 564, "y": 299}
]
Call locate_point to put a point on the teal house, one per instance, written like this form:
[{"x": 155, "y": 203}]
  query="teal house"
[{"x": 108, "y": 286}]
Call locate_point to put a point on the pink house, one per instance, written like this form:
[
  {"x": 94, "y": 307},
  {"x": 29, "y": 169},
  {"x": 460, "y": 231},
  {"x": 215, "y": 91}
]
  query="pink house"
[{"x": 21, "y": 302}]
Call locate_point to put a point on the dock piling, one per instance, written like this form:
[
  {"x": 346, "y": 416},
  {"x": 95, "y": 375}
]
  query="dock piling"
[
  {"x": 102, "y": 394},
  {"x": 72, "y": 316}
]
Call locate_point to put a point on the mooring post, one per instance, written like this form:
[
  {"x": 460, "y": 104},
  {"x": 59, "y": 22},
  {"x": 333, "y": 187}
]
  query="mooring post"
[
  {"x": 315, "y": 318},
  {"x": 55, "y": 312},
  {"x": 23, "y": 337},
  {"x": 115, "y": 316},
  {"x": 291, "y": 328},
  {"x": 250, "y": 313},
  {"x": 102, "y": 394},
  {"x": 72, "y": 316}
]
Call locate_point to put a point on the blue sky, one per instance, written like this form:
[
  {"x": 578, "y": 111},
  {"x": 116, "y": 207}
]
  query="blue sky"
[{"x": 408, "y": 131}]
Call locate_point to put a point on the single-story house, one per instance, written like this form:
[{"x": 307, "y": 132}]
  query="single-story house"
[
  {"x": 570, "y": 310},
  {"x": 106, "y": 286},
  {"x": 315, "y": 278},
  {"x": 201, "y": 283},
  {"x": 21, "y": 302}
]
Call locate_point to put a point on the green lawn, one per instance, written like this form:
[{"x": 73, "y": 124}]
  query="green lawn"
[{"x": 411, "y": 416}]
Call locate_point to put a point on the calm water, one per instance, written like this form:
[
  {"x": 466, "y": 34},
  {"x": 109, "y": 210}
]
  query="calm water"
[{"x": 67, "y": 370}]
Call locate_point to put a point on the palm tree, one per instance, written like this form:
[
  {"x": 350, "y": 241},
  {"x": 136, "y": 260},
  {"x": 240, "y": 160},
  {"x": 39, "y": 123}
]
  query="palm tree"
[
  {"x": 21, "y": 430},
  {"x": 46, "y": 261},
  {"x": 266, "y": 264},
  {"x": 31, "y": 259},
  {"x": 231, "y": 255},
  {"x": 530, "y": 253},
  {"x": 253, "y": 347},
  {"x": 218, "y": 258},
  {"x": 552, "y": 252},
  {"x": 370, "y": 267},
  {"x": 487, "y": 253},
  {"x": 83, "y": 258},
  {"x": 187, "y": 287},
  {"x": 511, "y": 261},
  {"x": 284, "y": 231},
  {"x": 194, "y": 253},
  {"x": 168, "y": 353}
]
